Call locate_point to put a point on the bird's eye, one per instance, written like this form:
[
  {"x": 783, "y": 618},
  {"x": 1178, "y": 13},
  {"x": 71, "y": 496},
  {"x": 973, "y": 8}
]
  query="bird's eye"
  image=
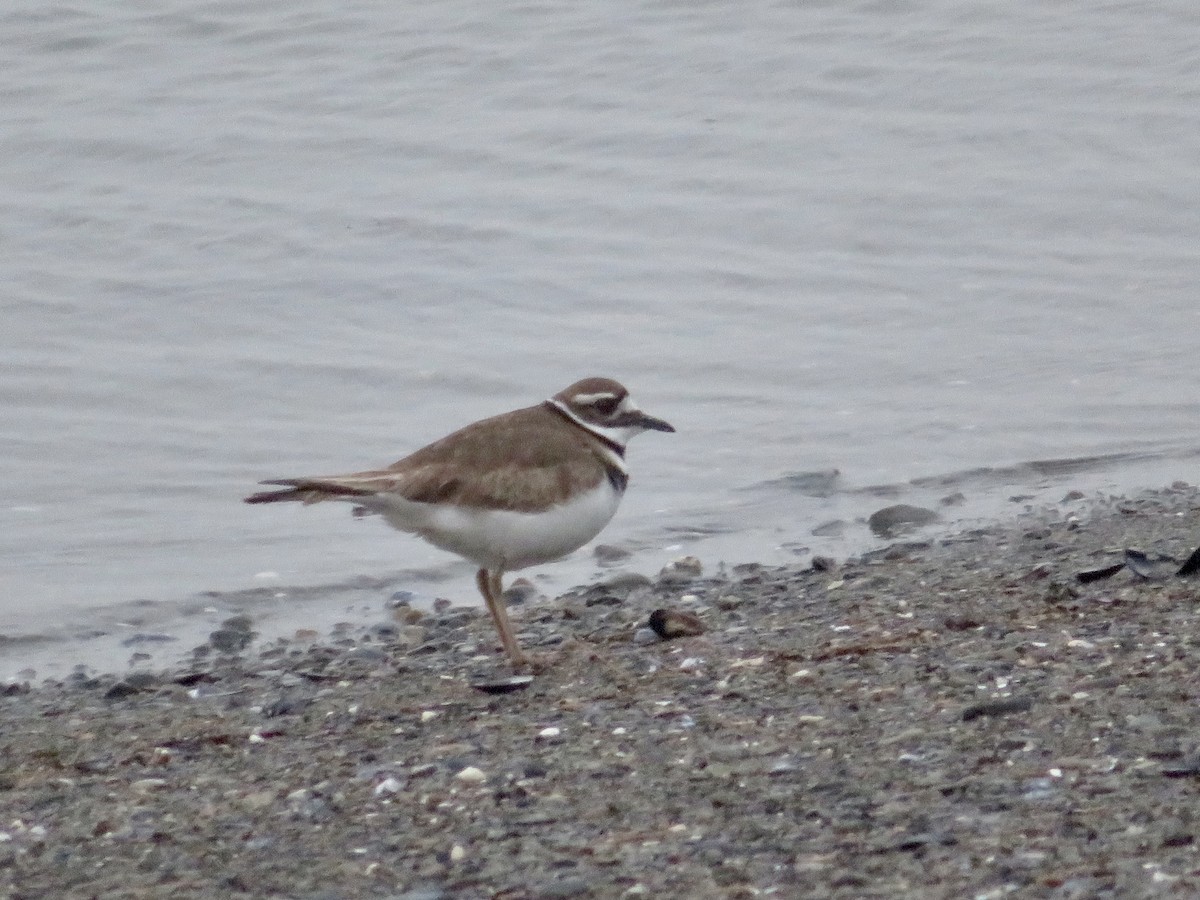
[{"x": 606, "y": 406}]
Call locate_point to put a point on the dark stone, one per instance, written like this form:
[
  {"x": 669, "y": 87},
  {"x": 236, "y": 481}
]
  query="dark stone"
[
  {"x": 671, "y": 623},
  {"x": 991, "y": 708},
  {"x": 607, "y": 554},
  {"x": 230, "y": 640},
  {"x": 893, "y": 520},
  {"x": 120, "y": 691}
]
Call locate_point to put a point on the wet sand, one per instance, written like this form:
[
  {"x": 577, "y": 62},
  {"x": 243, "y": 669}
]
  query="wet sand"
[{"x": 951, "y": 717}]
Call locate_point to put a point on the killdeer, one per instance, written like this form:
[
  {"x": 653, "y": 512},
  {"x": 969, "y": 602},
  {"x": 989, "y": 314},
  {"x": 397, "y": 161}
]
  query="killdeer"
[{"x": 516, "y": 490}]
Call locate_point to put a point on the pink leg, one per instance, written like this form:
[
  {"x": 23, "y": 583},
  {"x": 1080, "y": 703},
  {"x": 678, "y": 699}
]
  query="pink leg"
[{"x": 489, "y": 584}]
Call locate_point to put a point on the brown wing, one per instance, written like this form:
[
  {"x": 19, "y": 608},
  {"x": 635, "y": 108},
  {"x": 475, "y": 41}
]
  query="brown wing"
[{"x": 512, "y": 461}]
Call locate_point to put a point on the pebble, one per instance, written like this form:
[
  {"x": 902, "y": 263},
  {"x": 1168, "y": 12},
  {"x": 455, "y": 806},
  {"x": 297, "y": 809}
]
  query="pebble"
[
  {"x": 121, "y": 690},
  {"x": 669, "y": 624},
  {"x": 644, "y": 636},
  {"x": 233, "y": 636},
  {"x": 607, "y": 554},
  {"x": 471, "y": 775},
  {"x": 681, "y": 570},
  {"x": 625, "y": 582},
  {"x": 503, "y": 685},
  {"x": 400, "y": 599},
  {"x": 407, "y": 615},
  {"x": 894, "y": 520},
  {"x": 520, "y": 591},
  {"x": 389, "y": 785},
  {"x": 991, "y": 708}
]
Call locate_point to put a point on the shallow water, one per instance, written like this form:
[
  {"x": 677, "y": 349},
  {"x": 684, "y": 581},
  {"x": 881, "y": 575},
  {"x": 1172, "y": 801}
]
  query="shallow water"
[{"x": 922, "y": 245}]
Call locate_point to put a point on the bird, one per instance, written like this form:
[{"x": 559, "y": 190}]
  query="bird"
[{"x": 518, "y": 489}]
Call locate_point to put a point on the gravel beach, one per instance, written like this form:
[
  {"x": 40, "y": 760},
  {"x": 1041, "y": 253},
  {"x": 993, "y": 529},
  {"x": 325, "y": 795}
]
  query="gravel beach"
[{"x": 953, "y": 716}]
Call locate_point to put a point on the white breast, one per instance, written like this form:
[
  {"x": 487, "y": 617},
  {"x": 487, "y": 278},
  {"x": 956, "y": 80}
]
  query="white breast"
[{"x": 501, "y": 539}]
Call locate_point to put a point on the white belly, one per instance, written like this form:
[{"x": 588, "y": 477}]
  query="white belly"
[{"x": 503, "y": 540}]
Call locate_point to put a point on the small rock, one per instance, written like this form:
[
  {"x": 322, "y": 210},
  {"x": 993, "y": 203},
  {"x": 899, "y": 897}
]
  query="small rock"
[
  {"x": 406, "y": 615},
  {"x": 992, "y": 708},
  {"x": 625, "y": 582},
  {"x": 120, "y": 691},
  {"x": 1186, "y": 767},
  {"x": 681, "y": 571},
  {"x": 471, "y": 775},
  {"x": 389, "y": 785},
  {"x": 669, "y": 624},
  {"x": 230, "y": 640},
  {"x": 1151, "y": 568},
  {"x": 1057, "y": 592},
  {"x": 411, "y": 636},
  {"x": 520, "y": 591},
  {"x": 502, "y": 685},
  {"x": 894, "y": 520},
  {"x": 285, "y": 706},
  {"x": 1087, "y": 577},
  {"x": 644, "y": 636},
  {"x": 258, "y": 800},
  {"x": 607, "y": 554}
]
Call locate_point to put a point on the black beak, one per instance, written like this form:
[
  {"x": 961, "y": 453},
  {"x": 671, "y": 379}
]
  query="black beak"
[{"x": 650, "y": 423}]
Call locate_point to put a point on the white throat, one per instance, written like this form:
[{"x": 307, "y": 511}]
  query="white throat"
[{"x": 618, "y": 436}]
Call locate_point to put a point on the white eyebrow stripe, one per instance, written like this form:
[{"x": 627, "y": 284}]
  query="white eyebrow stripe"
[{"x": 593, "y": 398}]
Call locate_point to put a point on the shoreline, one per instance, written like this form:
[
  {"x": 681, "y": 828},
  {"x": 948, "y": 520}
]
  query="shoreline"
[{"x": 953, "y": 717}]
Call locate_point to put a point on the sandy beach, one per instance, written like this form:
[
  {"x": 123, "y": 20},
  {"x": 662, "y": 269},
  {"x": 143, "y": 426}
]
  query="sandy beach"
[{"x": 956, "y": 715}]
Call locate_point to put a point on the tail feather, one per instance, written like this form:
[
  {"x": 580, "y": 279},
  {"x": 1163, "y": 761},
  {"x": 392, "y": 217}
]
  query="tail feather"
[{"x": 306, "y": 491}]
